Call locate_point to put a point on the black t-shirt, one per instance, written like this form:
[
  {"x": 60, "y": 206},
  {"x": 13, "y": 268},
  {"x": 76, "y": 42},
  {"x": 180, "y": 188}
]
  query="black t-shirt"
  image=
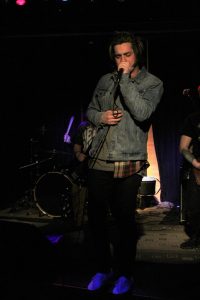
[
  {"x": 78, "y": 136},
  {"x": 191, "y": 128},
  {"x": 84, "y": 136}
]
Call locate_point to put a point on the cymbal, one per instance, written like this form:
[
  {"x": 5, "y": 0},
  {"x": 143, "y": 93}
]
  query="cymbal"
[{"x": 57, "y": 152}]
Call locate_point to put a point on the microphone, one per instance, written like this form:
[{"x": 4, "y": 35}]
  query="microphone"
[{"x": 119, "y": 74}]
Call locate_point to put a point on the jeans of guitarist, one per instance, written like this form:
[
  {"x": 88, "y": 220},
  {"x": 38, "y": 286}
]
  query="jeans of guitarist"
[{"x": 192, "y": 208}]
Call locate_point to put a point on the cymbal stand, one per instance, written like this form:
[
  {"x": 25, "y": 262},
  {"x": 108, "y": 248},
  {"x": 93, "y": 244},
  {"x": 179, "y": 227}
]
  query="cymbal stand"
[{"x": 27, "y": 199}]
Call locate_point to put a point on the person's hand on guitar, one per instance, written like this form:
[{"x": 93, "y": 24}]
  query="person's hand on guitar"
[
  {"x": 196, "y": 163},
  {"x": 80, "y": 156}
]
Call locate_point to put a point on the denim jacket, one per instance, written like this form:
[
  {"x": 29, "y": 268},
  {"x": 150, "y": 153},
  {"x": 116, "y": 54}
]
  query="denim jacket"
[{"x": 138, "y": 100}]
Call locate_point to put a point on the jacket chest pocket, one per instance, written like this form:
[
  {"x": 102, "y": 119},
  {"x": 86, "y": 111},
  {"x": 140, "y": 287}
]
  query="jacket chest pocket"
[{"x": 105, "y": 100}]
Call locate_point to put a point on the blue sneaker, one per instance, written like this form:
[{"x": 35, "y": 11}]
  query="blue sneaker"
[
  {"x": 122, "y": 285},
  {"x": 99, "y": 280}
]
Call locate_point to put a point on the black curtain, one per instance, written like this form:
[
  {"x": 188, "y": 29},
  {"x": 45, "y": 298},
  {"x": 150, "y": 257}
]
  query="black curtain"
[
  {"x": 174, "y": 59},
  {"x": 166, "y": 128},
  {"x": 167, "y": 124}
]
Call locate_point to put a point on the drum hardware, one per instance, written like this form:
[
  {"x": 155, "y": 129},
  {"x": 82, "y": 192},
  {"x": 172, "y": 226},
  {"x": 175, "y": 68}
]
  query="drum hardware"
[
  {"x": 66, "y": 208},
  {"x": 27, "y": 201},
  {"x": 61, "y": 207},
  {"x": 61, "y": 159},
  {"x": 57, "y": 152},
  {"x": 33, "y": 145},
  {"x": 35, "y": 163}
]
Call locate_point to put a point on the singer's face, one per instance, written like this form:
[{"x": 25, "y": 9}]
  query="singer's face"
[{"x": 124, "y": 54}]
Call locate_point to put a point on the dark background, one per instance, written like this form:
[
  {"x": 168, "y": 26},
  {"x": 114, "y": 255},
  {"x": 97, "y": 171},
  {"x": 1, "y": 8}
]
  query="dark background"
[{"x": 52, "y": 54}]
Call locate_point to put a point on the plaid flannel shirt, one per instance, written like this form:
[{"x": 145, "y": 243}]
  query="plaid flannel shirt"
[{"x": 128, "y": 168}]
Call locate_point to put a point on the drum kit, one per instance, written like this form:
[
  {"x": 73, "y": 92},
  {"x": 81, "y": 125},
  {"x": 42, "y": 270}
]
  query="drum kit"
[{"x": 52, "y": 186}]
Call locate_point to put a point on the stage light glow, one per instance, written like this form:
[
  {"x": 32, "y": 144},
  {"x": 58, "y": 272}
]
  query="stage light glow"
[
  {"x": 54, "y": 239},
  {"x": 20, "y": 2}
]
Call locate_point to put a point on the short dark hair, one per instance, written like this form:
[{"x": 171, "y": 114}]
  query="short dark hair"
[{"x": 120, "y": 37}]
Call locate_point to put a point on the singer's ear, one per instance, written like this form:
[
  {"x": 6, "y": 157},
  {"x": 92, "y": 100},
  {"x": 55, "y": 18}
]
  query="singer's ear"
[{"x": 111, "y": 52}]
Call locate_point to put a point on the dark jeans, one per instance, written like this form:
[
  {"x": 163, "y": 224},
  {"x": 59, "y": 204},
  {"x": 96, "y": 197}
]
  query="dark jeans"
[
  {"x": 192, "y": 207},
  {"x": 117, "y": 196}
]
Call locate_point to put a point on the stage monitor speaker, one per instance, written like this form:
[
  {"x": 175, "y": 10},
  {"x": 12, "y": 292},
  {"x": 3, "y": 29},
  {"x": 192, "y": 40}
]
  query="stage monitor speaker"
[
  {"x": 147, "y": 187},
  {"x": 25, "y": 253}
]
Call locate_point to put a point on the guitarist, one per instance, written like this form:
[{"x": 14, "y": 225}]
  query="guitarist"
[
  {"x": 81, "y": 146},
  {"x": 190, "y": 149}
]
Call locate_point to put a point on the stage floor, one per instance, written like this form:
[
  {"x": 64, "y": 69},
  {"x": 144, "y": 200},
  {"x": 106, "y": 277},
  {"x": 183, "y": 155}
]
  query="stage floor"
[{"x": 163, "y": 270}]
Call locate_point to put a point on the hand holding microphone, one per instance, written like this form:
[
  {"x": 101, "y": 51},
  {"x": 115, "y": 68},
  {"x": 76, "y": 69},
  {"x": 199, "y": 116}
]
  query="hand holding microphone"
[
  {"x": 124, "y": 67},
  {"x": 119, "y": 74}
]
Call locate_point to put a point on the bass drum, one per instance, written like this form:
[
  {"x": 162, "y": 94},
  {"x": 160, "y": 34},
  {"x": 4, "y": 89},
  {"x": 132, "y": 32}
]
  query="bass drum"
[{"x": 53, "y": 194}]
